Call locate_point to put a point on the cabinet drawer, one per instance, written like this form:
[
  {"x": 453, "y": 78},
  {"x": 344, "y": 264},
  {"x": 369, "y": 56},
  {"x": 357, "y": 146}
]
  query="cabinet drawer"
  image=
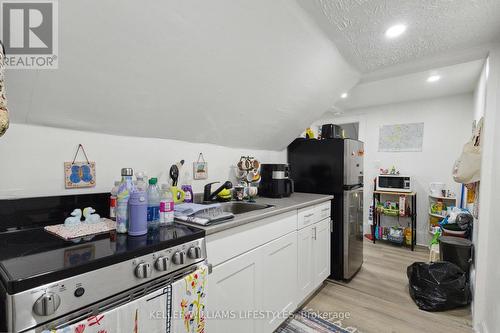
[
  {"x": 230, "y": 243},
  {"x": 306, "y": 216},
  {"x": 323, "y": 210}
]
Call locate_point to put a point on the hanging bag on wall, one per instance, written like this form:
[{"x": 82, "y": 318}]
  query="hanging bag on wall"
[
  {"x": 467, "y": 168},
  {"x": 4, "y": 113}
]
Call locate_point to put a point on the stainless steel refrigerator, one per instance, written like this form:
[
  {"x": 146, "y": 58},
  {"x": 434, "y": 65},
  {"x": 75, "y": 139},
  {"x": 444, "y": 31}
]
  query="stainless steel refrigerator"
[{"x": 334, "y": 166}]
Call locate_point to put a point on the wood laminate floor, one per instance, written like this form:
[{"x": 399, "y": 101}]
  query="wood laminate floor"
[{"x": 378, "y": 301}]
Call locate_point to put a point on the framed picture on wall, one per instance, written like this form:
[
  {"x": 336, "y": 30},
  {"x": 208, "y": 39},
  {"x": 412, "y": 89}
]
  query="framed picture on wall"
[
  {"x": 79, "y": 174},
  {"x": 200, "y": 168}
]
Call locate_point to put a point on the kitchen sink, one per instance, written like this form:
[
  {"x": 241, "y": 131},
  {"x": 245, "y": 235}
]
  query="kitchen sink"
[{"x": 242, "y": 207}]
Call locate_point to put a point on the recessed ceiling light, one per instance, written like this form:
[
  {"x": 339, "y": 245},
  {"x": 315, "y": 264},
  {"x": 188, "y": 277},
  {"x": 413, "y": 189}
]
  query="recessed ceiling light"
[
  {"x": 344, "y": 95},
  {"x": 338, "y": 113},
  {"x": 433, "y": 78},
  {"x": 395, "y": 31}
]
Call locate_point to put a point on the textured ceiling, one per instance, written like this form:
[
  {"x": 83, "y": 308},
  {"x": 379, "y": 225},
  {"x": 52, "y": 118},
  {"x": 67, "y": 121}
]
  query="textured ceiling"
[
  {"x": 237, "y": 73},
  {"x": 434, "y": 26},
  {"x": 456, "y": 79}
]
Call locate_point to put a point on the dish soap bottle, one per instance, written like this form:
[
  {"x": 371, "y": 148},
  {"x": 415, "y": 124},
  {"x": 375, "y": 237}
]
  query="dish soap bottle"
[{"x": 187, "y": 188}]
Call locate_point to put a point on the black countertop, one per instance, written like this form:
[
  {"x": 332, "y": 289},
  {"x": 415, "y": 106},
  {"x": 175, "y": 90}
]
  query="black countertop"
[{"x": 30, "y": 258}]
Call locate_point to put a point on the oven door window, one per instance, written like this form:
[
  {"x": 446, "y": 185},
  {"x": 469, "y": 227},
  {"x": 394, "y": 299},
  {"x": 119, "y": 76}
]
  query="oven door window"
[{"x": 150, "y": 313}]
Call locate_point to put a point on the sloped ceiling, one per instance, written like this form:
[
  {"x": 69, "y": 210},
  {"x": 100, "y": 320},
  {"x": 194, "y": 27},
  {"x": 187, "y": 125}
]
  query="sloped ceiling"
[
  {"x": 238, "y": 73},
  {"x": 434, "y": 26}
]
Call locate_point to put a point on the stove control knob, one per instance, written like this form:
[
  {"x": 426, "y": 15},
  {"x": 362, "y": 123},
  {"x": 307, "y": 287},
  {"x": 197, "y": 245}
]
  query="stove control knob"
[
  {"x": 143, "y": 270},
  {"x": 47, "y": 304},
  {"x": 179, "y": 258},
  {"x": 162, "y": 263},
  {"x": 194, "y": 252}
]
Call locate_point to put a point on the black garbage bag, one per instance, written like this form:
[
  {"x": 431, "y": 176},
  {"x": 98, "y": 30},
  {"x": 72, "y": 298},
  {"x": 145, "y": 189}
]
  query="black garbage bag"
[
  {"x": 438, "y": 286},
  {"x": 464, "y": 220}
]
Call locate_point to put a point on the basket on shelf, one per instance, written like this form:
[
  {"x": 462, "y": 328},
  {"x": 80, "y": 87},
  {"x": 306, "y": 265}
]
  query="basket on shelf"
[
  {"x": 391, "y": 212},
  {"x": 396, "y": 235}
]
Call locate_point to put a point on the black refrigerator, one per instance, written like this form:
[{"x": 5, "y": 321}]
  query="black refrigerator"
[{"x": 334, "y": 166}]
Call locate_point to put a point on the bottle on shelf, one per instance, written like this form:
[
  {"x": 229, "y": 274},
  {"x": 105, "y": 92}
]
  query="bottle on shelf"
[
  {"x": 166, "y": 205},
  {"x": 153, "y": 195},
  {"x": 112, "y": 201},
  {"x": 126, "y": 187}
]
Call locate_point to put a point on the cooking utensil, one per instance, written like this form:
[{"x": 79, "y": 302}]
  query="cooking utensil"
[{"x": 174, "y": 174}]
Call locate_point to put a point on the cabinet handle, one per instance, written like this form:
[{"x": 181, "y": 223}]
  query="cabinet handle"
[
  {"x": 315, "y": 235},
  {"x": 325, "y": 209},
  {"x": 308, "y": 215},
  {"x": 210, "y": 268}
]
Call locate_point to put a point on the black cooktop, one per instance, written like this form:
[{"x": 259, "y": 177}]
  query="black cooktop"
[{"x": 31, "y": 258}]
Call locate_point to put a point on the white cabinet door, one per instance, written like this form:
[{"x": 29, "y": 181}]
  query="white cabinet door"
[
  {"x": 235, "y": 291},
  {"x": 305, "y": 263},
  {"x": 321, "y": 251},
  {"x": 279, "y": 287}
]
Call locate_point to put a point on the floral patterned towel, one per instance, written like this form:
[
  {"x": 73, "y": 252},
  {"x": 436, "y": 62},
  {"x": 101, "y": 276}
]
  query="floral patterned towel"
[{"x": 189, "y": 302}]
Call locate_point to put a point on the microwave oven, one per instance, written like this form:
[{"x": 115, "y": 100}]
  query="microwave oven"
[{"x": 394, "y": 183}]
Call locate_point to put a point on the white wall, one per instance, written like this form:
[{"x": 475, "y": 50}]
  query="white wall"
[
  {"x": 32, "y": 159},
  {"x": 480, "y": 92},
  {"x": 479, "y": 110},
  {"x": 486, "y": 310},
  {"x": 447, "y": 126}
]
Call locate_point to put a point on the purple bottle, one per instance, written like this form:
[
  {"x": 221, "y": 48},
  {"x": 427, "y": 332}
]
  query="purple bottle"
[{"x": 138, "y": 213}]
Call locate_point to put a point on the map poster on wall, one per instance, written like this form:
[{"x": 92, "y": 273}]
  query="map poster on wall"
[{"x": 402, "y": 137}]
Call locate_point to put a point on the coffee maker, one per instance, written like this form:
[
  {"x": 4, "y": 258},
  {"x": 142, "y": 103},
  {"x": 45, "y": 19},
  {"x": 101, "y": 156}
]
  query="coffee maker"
[{"x": 274, "y": 181}]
